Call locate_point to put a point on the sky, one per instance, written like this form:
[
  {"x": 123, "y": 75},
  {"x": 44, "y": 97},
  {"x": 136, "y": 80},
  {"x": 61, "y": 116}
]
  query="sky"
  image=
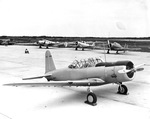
[{"x": 82, "y": 18}]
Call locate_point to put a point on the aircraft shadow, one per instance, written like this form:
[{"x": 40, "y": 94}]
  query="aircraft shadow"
[
  {"x": 113, "y": 53},
  {"x": 61, "y": 101},
  {"x": 77, "y": 97}
]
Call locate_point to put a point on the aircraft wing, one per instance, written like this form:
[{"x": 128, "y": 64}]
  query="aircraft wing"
[
  {"x": 93, "y": 82},
  {"x": 127, "y": 49},
  {"x": 132, "y": 49}
]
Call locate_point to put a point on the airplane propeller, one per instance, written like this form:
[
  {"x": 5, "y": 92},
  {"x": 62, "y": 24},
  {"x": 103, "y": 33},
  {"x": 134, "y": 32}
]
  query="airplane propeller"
[{"x": 136, "y": 68}]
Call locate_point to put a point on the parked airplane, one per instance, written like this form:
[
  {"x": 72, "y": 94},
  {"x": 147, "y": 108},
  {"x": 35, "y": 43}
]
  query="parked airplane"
[
  {"x": 117, "y": 47},
  {"x": 91, "y": 72},
  {"x": 84, "y": 45},
  {"x": 48, "y": 43},
  {"x": 6, "y": 42}
]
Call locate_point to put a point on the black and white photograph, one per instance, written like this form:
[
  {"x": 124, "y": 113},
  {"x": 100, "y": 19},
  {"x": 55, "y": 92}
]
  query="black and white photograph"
[{"x": 74, "y": 59}]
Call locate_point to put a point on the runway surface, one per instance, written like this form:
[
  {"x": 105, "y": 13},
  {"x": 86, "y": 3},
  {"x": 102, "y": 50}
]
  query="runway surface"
[{"x": 39, "y": 102}]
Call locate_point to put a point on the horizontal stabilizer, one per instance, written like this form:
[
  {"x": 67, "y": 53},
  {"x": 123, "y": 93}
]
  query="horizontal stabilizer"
[{"x": 36, "y": 77}]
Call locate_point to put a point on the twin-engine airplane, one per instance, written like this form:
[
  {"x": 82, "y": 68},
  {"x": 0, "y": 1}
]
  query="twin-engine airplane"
[
  {"x": 117, "y": 47},
  {"x": 91, "y": 72},
  {"x": 84, "y": 45},
  {"x": 48, "y": 43}
]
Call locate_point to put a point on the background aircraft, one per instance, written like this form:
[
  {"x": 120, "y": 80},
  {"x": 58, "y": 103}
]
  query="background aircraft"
[
  {"x": 117, "y": 47},
  {"x": 6, "y": 42},
  {"x": 84, "y": 45},
  {"x": 48, "y": 43}
]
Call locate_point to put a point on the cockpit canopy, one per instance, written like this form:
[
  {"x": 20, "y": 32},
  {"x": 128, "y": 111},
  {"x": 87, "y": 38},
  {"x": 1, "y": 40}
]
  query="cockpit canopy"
[{"x": 83, "y": 63}]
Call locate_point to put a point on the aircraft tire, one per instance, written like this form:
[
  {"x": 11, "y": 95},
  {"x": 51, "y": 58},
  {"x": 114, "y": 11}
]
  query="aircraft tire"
[
  {"x": 91, "y": 98},
  {"x": 122, "y": 89},
  {"x": 107, "y": 51}
]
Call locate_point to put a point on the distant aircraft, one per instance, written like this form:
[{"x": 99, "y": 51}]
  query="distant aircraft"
[
  {"x": 6, "y": 42},
  {"x": 48, "y": 43},
  {"x": 117, "y": 47},
  {"x": 90, "y": 72},
  {"x": 84, "y": 45}
]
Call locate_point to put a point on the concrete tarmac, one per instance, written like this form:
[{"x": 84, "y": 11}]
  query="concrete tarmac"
[{"x": 39, "y": 102}]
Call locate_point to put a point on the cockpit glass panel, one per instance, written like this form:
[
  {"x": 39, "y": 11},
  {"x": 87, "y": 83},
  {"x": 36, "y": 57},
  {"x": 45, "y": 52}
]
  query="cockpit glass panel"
[{"x": 83, "y": 63}]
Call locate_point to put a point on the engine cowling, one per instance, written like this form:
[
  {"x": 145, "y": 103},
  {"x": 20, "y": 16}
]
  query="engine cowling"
[{"x": 112, "y": 69}]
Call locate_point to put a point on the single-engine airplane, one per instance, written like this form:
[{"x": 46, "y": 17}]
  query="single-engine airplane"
[
  {"x": 84, "y": 45},
  {"x": 48, "y": 43},
  {"x": 6, "y": 42},
  {"x": 117, "y": 47},
  {"x": 91, "y": 72}
]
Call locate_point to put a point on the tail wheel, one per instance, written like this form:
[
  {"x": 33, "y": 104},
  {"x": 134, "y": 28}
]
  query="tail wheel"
[
  {"x": 122, "y": 89},
  {"x": 91, "y": 98}
]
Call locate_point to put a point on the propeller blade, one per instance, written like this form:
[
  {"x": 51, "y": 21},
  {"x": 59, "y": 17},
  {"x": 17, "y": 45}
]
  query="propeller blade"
[{"x": 136, "y": 68}]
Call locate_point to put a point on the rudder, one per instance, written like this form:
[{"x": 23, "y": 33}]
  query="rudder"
[{"x": 49, "y": 63}]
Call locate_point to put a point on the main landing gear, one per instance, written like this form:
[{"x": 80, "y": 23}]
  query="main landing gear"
[
  {"x": 91, "y": 98},
  {"x": 108, "y": 51},
  {"x": 122, "y": 89}
]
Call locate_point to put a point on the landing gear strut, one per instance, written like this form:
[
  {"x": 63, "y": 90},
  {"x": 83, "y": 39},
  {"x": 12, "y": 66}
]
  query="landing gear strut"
[
  {"x": 122, "y": 89},
  {"x": 91, "y": 98},
  {"x": 108, "y": 51}
]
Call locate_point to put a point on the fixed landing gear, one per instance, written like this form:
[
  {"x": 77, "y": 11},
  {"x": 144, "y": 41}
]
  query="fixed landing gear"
[
  {"x": 122, "y": 89},
  {"x": 108, "y": 51},
  {"x": 91, "y": 98}
]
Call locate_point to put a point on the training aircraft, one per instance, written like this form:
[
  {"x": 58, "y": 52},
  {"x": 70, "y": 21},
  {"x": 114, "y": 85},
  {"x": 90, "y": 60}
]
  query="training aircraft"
[
  {"x": 90, "y": 72},
  {"x": 6, "y": 42},
  {"x": 117, "y": 47},
  {"x": 48, "y": 43},
  {"x": 84, "y": 45}
]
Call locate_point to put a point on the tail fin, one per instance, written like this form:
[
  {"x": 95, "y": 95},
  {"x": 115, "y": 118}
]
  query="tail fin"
[
  {"x": 65, "y": 44},
  {"x": 108, "y": 43},
  {"x": 93, "y": 44},
  {"x": 49, "y": 63},
  {"x": 125, "y": 46}
]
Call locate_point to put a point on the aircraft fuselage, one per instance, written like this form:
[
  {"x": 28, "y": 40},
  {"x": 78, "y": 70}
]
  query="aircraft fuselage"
[{"x": 107, "y": 74}]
